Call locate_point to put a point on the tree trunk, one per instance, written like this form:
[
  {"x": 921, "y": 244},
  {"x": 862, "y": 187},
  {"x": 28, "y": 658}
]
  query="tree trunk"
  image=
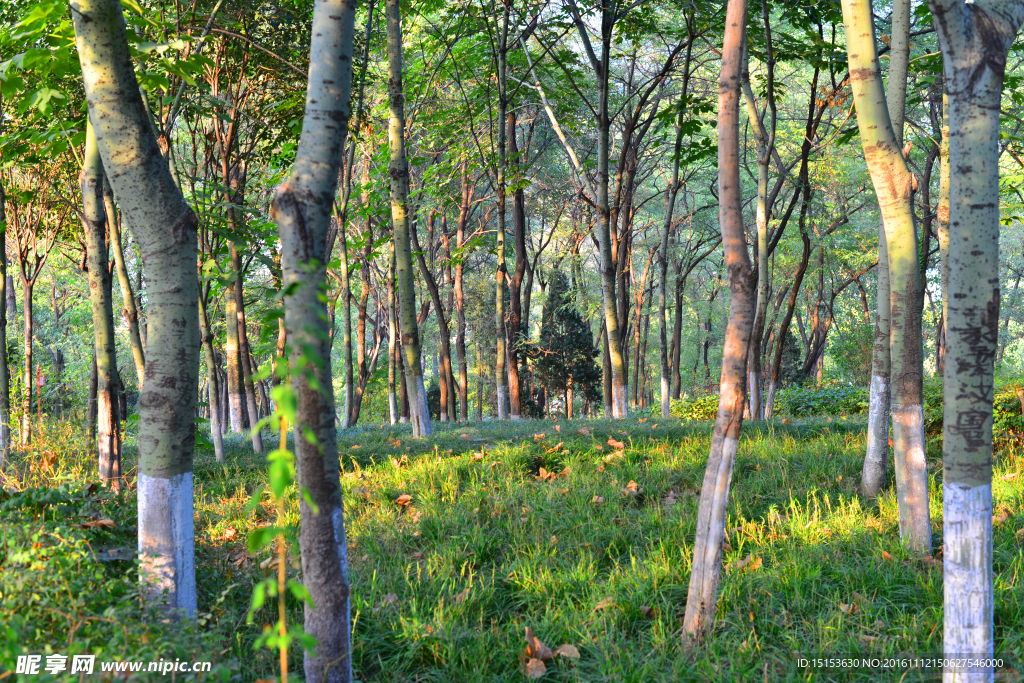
[
  {"x": 90, "y": 407},
  {"x": 460, "y": 297},
  {"x": 216, "y": 431},
  {"x": 6, "y": 285},
  {"x": 244, "y": 354},
  {"x": 236, "y": 388},
  {"x": 894, "y": 184},
  {"x": 515, "y": 320},
  {"x": 670, "y": 205},
  {"x": 711, "y": 515},
  {"x": 108, "y": 437},
  {"x": 974, "y": 40},
  {"x": 302, "y": 209},
  {"x": 419, "y": 412},
  {"x": 129, "y": 312},
  {"x": 165, "y": 230},
  {"x": 765, "y": 139},
  {"x": 445, "y": 365},
  {"x": 942, "y": 221},
  {"x": 27, "y": 378}
]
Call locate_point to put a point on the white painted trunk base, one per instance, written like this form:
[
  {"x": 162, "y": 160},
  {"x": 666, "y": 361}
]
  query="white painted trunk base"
[
  {"x": 876, "y": 454},
  {"x": 967, "y": 578},
  {"x": 912, "y": 477},
  {"x": 167, "y": 541},
  {"x": 666, "y": 402},
  {"x": 393, "y": 407},
  {"x": 420, "y": 412}
]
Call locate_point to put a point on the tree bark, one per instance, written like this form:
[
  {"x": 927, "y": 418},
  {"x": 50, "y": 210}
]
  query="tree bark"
[
  {"x": 460, "y": 297},
  {"x": 129, "y": 312},
  {"x": 165, "y": 230},
  {"x": 894, "y": 184},
  {"x": 6, "y": 285},
  {"x": 974, "y": 39},
  {"x": 216, "y": 431},
  {"x": 302, "y": 209},
  {"x": 515, "y": 318},
  {"x": 108, "y": 437},
  {"x": 711, "y": 515},
  {"x": 670, "y": 205},
  {"x": 232, "y": 353},
  {"x": 501, "y": 373},
  {"x": 419, "y": 412},
  {"x": 244, "y": 354}
]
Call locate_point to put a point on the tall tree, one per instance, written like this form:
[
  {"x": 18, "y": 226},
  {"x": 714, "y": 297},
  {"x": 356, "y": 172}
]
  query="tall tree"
[
  {"x": 94, "y": 220},
  {"x": 894, "y": 186},
  {"x": 165, "y": 230},
  {"x": 302, "y": 209},
  {"x": 6, "y": 285},
  {"x": 975, "y": 39},
  {"x": 419, "y": 412},
  {"x": 714, "y": 496}
]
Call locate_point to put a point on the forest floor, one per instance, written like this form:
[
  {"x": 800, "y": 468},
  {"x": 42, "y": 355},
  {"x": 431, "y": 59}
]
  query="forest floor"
[{"x": 536, "y": 524}]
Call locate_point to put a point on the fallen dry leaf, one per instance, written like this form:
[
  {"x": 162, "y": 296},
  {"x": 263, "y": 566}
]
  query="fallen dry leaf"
[
  {"x": 461, "y": 597},
  {"x": 535, "y": 648},
  {"x": 642, "y": 420},
  {"x": 931, "y": 562},
  {"x": 849, "y": 608},
  {"x": 538, "y": 437},
  {"x": 106, "y": 523},
  {"x": 567, "y": 650},
  {"x": 558, "y": 428},
  {"x": 534, "y": 669},
  {"x": 787, "y": 421},
  {"x": 404, "y": 500},
  {"x": 1008, "y": 477},
  {"x": 478, "y": 456},
  {"x": 1002, "y": 514},
  {"x": 750, "y": 563},
  {"x": 670, "y": 499},
  {"x": 463, "y": 436},
  {"x": 632, "y": 488},
  {"x": 597, "y": 500},
  {"x": 647, "y": 611},
  {"x": 229, "y": 534},
  {"x": 615, "y": 444},
  {"x": 886, "y": 556},
  {"x": 553, "y": 448},
  {"x": 355, "y": 446},
  {"x": 583, "y": 431},
  {"x": 605, "y": 604}
]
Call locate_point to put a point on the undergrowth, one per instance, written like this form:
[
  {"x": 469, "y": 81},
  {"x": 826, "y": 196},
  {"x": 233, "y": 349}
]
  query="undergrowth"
[{"x": 535, "y": 524}]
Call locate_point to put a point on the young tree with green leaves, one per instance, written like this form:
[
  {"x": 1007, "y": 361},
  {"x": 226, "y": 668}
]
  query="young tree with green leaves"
[
  {"x": 564, "y": 358},
  {"x": 302, "y": 209}
]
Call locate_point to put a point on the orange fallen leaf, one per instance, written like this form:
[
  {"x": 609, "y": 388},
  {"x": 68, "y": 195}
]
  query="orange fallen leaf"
[
  {"x": 478, "y": 456},
  {"x": 750, "y": 563},
  {"x": 538, "y": 437},
  {"x": 583, "y": 431},
  {"x": 558, "y": 428},
  {"x": 535, "y": 648},
  {"x": 106, "y": 523},
  {"x": 355, "y": 446},
  {"x": 404, "y": 500},
  {"x": 463, "y": 436},
  {"x": 615, "y": 444},
  {"x": 1008, "y": 477},
  {"x": 229, "y": 534},
  {"x": 605, "y": 604},
  {"x": 554, "y": 448},
  {"x": 597, "y": 500},
  {"x": 886, "y": 556},
  {"x": 642, "y": 420}
]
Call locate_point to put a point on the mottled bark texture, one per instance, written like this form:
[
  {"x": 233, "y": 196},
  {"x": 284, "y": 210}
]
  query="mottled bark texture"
[
  {"x": 975, "y": 39},
  {"x": 894, "y": 186},
  {"x": 302, "y": 210},
  {"x": 214, "y": 381},
  {"x": 108, "y": 437},
  {"x": 419, "y": 413},
  {"x": 714, "y": 497},
  {"x": 165, "y": 230}
]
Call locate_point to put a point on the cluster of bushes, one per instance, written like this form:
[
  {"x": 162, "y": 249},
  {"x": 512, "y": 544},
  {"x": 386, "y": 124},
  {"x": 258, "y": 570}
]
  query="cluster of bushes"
[{"x": 845, "y": 400}]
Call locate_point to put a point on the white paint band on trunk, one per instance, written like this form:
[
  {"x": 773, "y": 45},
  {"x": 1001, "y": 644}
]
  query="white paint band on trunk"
[
  {"x": 167, "y": 540},
  {"x": 967, "y": 577}
]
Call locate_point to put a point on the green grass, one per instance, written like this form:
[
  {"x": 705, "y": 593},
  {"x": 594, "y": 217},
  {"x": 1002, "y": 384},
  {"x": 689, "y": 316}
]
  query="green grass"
[{"x": 445, "y": 587}]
